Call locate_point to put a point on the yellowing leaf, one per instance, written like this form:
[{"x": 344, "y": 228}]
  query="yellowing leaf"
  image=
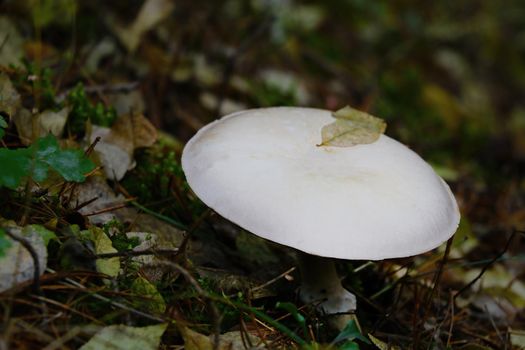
[
  {"x": 47, "y": 122},
  {"x": 149, "y": 298},
  {"x": 120, "y": 337},
  {"x": 352, "y": 127},
  {"x": 103, "y": 244},
  {"x": 227, "y": 341},
  {"x": 195, "y": 341},
  {"x": 381, "y": 345}
]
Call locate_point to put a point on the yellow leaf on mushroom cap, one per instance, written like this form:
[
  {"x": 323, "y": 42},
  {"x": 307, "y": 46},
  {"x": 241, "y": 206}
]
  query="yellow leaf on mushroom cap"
[{"x": 352, "y": 127}]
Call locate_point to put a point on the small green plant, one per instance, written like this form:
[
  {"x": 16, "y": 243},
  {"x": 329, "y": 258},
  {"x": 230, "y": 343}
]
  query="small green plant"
[
  {"x": 115, "y": 230},
  {"x": 36, "y": 160},
  {"x": 83, "y": 110},
  {"x": 346, "y": 338}
]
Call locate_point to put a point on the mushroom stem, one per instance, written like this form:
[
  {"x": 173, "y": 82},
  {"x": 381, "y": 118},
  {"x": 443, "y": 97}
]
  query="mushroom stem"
[{"x": 321, "y": 286}]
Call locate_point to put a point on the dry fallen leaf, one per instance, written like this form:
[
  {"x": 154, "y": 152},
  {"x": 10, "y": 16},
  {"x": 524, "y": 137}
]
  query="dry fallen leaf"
[
  {"x": 121, "y": 337},
  {"x": 132, "y": 131},
  {"x": 227, "y": 341},
  {"x": 9, "y": 98},
  {"x": 352, "y": 127},
  {"x": 47, "y": 122},
  {"x": 96, "y": 187},
  {"x": 116, "y": 145},
  {"x": 151, "y": 13}
]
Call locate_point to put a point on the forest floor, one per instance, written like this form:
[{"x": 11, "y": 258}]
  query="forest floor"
[{"x": 103, "y": 245}]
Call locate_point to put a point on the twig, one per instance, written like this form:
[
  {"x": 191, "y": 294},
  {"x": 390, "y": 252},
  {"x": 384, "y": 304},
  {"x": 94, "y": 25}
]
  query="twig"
[
  {"x": 97, "y": 89},
  {"x": 489, "y": 264},
  {"x": 88, "y": 150},
  {"x": 437, "y": 279},
  {"x": 160, "y": 216},
  {"x": 69, "y": 281},
  {"x": 217, "y": 318},
  {"x": 261, "y": 315},
  {"x": 31, "y": 328},
  {"x": 85, "y": 203},
  {"x": 364, "y": 266},
  {"x": 449, "y": 338},
  {"x": 480, "y": 336},
  {"x": 491, "y": 319},
  {"x": 273, "y": 280},
  {"x": 108, "y": 209},
  {"x": 131, "y": 253},
  {"x": 58, "y": 343},
  {"x": 184, "y": 244},
  {"x": 67, "y": 308}
]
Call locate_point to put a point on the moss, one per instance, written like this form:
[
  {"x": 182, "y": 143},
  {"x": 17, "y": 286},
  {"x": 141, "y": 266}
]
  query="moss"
[
  {"x": 82, "y": 110},
  {"x": 159, "y": 182}
]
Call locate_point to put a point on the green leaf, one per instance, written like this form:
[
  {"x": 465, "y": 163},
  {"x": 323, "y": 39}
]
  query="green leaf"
[
  {"x": 70, "y": 164},
  {"x": 352, "y": 127},
  {"x": 120, "y": 337},
  {"x": 15, "y": 166},
  {"x": 349, "y": 333},
  {"x": 38, "y": 158},
  {"x": 5, "y": 244}
]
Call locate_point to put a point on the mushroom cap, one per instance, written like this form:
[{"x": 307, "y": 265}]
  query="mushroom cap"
[{"x": 262, "y": 170}]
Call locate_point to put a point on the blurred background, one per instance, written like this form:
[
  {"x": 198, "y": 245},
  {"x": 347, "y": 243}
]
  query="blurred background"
[{"x": 447, "y": 76}]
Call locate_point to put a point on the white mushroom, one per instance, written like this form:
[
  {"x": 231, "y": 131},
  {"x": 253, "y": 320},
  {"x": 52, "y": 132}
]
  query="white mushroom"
[{"x": 262, "y": 169}]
